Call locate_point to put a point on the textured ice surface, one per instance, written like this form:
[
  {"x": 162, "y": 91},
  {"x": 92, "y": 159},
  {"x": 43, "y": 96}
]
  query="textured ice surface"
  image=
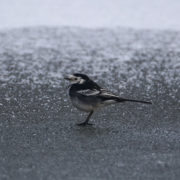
[{"x": 38, "y": 136}]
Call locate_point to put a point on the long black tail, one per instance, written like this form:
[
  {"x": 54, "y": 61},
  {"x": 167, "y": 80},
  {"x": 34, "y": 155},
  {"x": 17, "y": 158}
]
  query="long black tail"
[{"x": 132, "y": 100}]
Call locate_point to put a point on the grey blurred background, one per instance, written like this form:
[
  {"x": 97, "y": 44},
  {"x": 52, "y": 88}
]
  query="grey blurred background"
[
  {"x": 130, "y": 47},
  {"x": 154, "y": 14}
]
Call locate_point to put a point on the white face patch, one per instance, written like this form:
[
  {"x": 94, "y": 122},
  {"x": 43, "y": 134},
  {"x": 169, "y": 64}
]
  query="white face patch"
[
  {"x": 81, "y": 81},
  {"x": 76, "y": 79}
]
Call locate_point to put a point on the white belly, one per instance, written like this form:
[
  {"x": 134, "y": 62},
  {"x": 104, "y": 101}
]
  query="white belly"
[{"x": 82, "y": 106}]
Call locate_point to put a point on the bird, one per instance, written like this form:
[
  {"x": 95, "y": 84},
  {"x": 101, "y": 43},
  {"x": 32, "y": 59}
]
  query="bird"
[{"x": 86, "y": 95}]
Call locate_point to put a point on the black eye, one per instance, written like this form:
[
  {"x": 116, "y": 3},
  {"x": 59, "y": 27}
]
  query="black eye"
[{"x": 75, "y": 78}]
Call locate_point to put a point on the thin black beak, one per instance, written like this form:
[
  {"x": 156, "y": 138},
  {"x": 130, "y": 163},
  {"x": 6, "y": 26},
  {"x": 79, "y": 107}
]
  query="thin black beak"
[{"x": 66, "y": 78}]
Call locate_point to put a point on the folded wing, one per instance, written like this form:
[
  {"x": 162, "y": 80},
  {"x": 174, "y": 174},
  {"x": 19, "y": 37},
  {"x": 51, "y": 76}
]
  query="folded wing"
[
  {"x": 99, "y": 93},
  {"x": 89, "y": 92}
]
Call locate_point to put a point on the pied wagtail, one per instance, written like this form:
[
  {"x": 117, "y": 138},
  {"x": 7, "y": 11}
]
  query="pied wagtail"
[{"x": 88, "y": 96}]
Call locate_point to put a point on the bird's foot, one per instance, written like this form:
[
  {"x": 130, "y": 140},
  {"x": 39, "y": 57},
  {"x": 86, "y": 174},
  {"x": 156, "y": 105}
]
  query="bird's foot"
[{"x": 84, "y": 124}]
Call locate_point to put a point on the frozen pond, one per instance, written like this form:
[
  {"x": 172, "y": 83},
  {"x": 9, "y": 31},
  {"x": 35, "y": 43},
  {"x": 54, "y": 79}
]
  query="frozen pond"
[{"x": 38, "y": 135}]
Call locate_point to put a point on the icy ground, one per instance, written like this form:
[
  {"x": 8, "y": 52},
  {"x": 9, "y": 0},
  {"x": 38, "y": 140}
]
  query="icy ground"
[{"x": 38, "y": 135}]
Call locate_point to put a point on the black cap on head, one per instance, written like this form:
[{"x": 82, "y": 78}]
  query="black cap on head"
[{"x": 83, "y": 76}]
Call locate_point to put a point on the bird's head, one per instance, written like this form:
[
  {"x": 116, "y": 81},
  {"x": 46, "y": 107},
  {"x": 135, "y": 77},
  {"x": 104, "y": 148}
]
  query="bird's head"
[{"x": 77, "y": 78}]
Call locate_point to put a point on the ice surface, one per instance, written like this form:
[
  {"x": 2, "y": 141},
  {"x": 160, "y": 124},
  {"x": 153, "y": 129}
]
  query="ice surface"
[{"x": 38, "y": 135}]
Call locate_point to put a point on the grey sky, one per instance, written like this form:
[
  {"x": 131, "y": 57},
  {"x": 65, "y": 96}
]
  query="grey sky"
[{"x": 163, "y": 14}]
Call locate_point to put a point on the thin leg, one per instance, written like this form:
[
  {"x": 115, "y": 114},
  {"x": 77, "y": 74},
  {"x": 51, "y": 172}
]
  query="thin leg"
[{"x": 87, "y": 120}]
